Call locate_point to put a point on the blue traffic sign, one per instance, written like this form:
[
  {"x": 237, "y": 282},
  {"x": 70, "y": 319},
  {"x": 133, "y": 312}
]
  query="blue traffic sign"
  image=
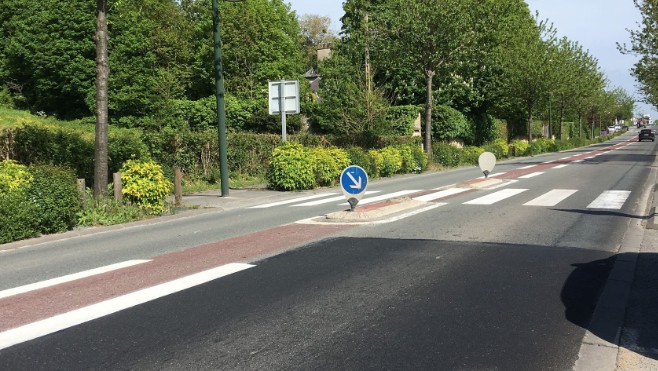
[{"x": 354, "y": 181}]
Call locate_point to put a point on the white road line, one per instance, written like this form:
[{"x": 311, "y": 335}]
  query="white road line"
[
  {"x": 531, "y": 175},
  {"x": 610, "y": 200},
  {"x": 300, "y": 199},
  {"x": 561, "y": 166},
  {"x": 576, "y": 161},
  {"x": 526, "y": 167},
  {"x": 69, "y": 278},
  {"x": 327, "y": 200},
  {"x": 495, "y": 197},
  {"x": 386, "y": 196},
  {"x": 440, "y": 194},
  {"x": 493, "y": 175},
  {"x": 551, "y": 198},
  {"x": 75, "y": 317}
]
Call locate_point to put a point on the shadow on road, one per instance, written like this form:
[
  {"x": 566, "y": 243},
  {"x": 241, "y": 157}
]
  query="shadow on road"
[{"x": 639, "y": 332}]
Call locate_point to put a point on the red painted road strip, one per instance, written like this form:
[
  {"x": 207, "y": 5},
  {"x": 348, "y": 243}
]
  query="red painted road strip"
[{"x": 44, "y": 303}]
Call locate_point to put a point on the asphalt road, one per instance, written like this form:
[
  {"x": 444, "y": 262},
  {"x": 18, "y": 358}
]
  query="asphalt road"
[{"x": 473, "y": 284}]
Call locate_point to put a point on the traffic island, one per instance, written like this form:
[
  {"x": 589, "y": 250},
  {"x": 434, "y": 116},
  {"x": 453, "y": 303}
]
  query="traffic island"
[{"x": 378, "y": 211}]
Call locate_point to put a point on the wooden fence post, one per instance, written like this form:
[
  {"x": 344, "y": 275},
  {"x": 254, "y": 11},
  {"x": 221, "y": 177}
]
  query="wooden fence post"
[
  {"x": 116, "y": 178},
  {"x": 178, "y": 190}
]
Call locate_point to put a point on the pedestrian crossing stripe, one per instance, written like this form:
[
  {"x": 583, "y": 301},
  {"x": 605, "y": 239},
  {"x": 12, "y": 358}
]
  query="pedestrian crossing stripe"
[
  {"x": 551, "y": 198},
  {"x": 610, "y": 199},
  {"x": 492, "y": 198}
]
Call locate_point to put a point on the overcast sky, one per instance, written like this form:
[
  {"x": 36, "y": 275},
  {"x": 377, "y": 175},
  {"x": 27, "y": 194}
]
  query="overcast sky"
[{"x": 597, "y": 25}]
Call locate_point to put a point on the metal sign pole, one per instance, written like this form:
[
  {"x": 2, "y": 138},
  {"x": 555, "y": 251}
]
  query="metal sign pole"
[{"x": 282, "y": 109}]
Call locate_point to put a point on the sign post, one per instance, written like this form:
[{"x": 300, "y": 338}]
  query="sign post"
[
  {"x": 353, "y": 181},
  {"x": 283, "y": 99}
]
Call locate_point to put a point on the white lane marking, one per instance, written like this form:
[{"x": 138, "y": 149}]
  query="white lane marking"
[
  {"x": 503, "y": 184},
  {"x": 576, "y": 161},
  {"x": 610, "y": 200},
  {"x": 75, "y": 317},
  {"x": 493, "y": 175},
  {"x": 565, "y": 158},
  {"x": 68, "y": 278},
  {"x": 526, "y": 167},
  {"x": 300, "y": 199},
  {"x": 531, "y": 175},
  {"x": 440, "y": 194},
  {"x": 561, "y": 166},
  {"x": 547, "y": 162},
  {"x": 386, "y": 196},
  {"x": 551, "y": 198},
  {"x": 495, "y": 197},
  {"x": 328, "y": 200}
]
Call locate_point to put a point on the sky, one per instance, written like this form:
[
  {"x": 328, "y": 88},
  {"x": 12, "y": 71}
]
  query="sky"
[{"x": 597, "y": 25}]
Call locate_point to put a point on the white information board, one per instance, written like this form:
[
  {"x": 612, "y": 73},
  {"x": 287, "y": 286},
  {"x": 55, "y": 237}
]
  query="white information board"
[{"x": 283, "y": 93}]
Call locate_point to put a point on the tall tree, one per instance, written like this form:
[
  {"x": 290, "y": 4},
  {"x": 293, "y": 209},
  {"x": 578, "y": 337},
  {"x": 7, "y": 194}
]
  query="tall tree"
[
  {"x": 316, "y": 31},
  {"x": 437, "y": 35},
  {"x": 643, "y": 43},
  {"x": 102, "y": 74}
]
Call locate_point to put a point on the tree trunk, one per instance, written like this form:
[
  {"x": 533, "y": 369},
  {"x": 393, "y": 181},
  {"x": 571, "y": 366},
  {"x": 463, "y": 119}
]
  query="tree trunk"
[
  {"x": 102, "y": 73},
  {"x": 428, "y": 115},
  {"x": 529, "y": 107},
  {"x": 562, "y": 108}
]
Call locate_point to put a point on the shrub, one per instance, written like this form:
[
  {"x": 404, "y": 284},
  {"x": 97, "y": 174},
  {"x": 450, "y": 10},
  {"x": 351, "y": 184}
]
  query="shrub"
[
  {"x": 499, "y": 148},
  {"x": 445, "y": 154},
  {"x": 291, "y": 168},
  {"x": 408, "y": 160},
  {"x": 106, "y": 211},
  {"x": 13, "y": 176},
  {"x": 19, "y": 218},
  {"x": 449, "y": 124},
  {"x": 518, "y": 147},
  {"x": 376, "y": 162},
  {"x": 470, "y": 155},
  {"x": 358, "y": 156},
  {"x": 420, "y": 157},
  {"x": 391, "y": 161},
  {"x": 563, "y": 144},
  {"x": 144, "y": 185},
  {"x": 328, "y": 164},
  {"x": 55, "y": 195},
  {"x": 401, "y": 119}
]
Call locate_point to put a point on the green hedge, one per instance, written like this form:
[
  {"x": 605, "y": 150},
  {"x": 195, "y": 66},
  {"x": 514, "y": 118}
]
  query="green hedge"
[{"x": 48, "y": 203}]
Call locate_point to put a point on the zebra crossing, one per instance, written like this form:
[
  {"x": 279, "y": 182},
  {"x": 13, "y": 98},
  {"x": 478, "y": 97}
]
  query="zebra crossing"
[{"x": 608, "y": 200}]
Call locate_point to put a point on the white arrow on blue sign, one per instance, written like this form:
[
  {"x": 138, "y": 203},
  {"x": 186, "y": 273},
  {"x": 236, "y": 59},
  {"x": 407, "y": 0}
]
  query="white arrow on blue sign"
[{"x": 354, "y": 181}]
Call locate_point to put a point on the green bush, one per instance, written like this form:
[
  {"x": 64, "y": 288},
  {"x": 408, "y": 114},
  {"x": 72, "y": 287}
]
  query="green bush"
[
  {"x": 358, "y": 156},
  {"x": 13, "y": 176},
  {"x": 19, "y": 218},
  {"x": 376, "y": 163},
  {"x": 499, "y": 148},
  {"x": 470, "y": 155},
  {"x": 420, "y": 157},
  {"x": 446, "y": 155},
  {"x": 401, "y": 119},
  {"x": 106, "y": 211},
  {"x": 449, "y": 124},
  {"x": 391, "y": 161},
  {"x": 144, "y": 185},
  {"x": 408, "y": 160},
  {"x": 328, "y": 164},
  {"x": 518, "y": 147},
  {"x": 56, "y": 197},
  {"x": 291, "y": 168},
  {"x": 563, "y": 144}
]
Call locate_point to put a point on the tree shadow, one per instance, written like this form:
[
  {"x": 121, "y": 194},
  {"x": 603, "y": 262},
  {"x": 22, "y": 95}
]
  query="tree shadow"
[
  {"x": 624, "y": 316},
  {"x": 605, "y": 213}
]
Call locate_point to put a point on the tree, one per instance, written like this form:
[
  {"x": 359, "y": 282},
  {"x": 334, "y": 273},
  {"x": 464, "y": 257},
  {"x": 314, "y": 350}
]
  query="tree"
[
  {"x": 316, "y": 31},
  {"x": 643, "y": 43},
  {"x": 102, "y": 74},
  {"x": 437, "y": 36}
]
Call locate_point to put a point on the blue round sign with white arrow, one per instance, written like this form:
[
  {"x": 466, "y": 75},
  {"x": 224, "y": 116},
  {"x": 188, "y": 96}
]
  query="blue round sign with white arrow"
[{"x": 354, "y": 181}]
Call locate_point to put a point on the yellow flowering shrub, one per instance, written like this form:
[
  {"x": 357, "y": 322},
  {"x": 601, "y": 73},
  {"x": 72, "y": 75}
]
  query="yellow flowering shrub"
[{"x": 145, "y": 185}]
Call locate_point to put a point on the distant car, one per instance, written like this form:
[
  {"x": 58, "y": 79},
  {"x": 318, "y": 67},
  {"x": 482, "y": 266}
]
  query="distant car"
[
  {"x": 611, "y": 129},
  {"x": 646, "y": 134}
]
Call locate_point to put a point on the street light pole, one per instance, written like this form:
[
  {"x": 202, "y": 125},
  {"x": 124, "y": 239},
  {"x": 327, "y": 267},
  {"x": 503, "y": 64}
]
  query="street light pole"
[{"x": 219, "y": 94}]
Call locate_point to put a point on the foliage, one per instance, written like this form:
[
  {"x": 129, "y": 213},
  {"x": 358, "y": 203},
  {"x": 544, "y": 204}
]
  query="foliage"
[
  {"x": 401, "y": 119},
  {"x": 106, "y": 210},
  {"x": 328, "y": 164},
  {"x": 470, "y": 155},
  {"x": 358, "y": 156},
  {"x": 13, "y": 177},
  {"x": 56, "y": 197},
  {"x": 643, "y": 43},
  {"x": 518, "y": 147},
  {"x": 449, "y": 124},
  {"x": 391, "y": 161},
  {"x": 18, "y": 217},
  {"x": 144, "y": 185},
  {"x": 291, "y": 168},
  {"x": 446, "y": 155},
  {"x": 499, "y": 148}
]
